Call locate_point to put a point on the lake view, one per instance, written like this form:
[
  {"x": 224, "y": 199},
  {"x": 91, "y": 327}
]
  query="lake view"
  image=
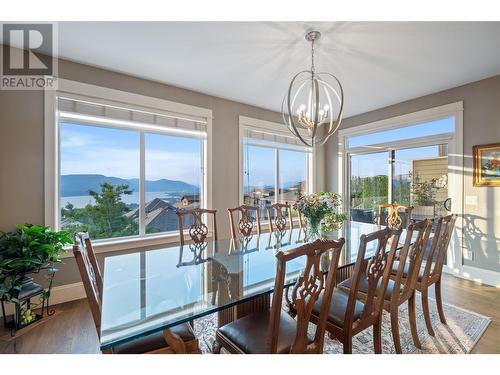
[{"x": 81, "y": 201}]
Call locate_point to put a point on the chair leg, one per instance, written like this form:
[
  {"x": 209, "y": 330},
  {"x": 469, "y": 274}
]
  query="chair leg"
[
  {"x": 348, "y": 344},
  {"x": 216, "y": 347},
  {"x": 425, "y": 308},
  {"x": 377, "y": 336},
  {"x": 395, "y": 329},
  {"x": 439, "y": 301},
  {"x": 413, "y": 321}
]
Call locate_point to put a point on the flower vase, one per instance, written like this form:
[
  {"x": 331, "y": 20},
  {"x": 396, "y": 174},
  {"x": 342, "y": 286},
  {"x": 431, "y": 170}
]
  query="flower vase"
[{"x": 313, "y": 229}]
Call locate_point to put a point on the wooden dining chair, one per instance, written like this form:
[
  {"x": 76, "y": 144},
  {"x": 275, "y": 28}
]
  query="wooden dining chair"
[
  {"x": 281, "y": 210},
  {"x": 198, "y": 230},
  {"x": 431, "y": 273},
  {"x": 301, "y": 218},
  {"x": 394, "y": 219},
  {"x": 247, "y": 224},
  {"x": 156, "y": 343},
  {"x": 400, "y": 288},
  {"x": 273, "y": 330},
  {"x": 348, "y": 315}
]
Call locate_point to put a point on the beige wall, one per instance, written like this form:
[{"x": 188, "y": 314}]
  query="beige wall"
[
  {"x": 481, "y": 126},
  {"x": 22, "y": 153}
]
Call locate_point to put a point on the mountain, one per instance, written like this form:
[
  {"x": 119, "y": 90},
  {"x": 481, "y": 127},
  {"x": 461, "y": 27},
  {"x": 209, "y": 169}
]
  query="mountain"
[{"x": 80, "y": 184}]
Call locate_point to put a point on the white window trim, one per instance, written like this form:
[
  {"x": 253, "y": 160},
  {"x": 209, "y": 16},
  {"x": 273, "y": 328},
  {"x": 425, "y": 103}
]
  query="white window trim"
[
  {"x": 455, "y": 174},
  {"x": 249, "y": 123},
  {"x": 102, "y": 94}
]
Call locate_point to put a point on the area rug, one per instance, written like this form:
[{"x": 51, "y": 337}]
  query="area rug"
[{"x": 462, "y": 331}]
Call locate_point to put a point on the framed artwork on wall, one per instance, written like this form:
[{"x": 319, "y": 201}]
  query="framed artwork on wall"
[{"x": 486, "y": 165}]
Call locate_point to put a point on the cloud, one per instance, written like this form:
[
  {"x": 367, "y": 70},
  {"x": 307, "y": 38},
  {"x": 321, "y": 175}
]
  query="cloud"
[{"x": 70, "y": 139}]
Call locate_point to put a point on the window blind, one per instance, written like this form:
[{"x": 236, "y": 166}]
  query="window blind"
[
  {"x": 71, "y": 109},
  {"x": 262, "y": 136}
]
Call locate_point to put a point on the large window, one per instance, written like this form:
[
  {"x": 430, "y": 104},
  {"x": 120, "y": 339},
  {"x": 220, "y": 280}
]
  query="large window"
[
  {"x": 126, "y": 178},
  {"x": 274, "y": 173}
]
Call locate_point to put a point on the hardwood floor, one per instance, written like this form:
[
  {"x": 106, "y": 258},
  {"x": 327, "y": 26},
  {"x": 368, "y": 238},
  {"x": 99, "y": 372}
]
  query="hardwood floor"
[
  {"x": 482, "y": 299},
  {"x": 73, "y": 331}
]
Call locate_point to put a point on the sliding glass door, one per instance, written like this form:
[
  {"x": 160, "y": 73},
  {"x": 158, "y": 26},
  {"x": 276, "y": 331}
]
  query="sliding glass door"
[
  {"x": 420, "y": 158},
  {"x": 420, "y": 179},
  {"x": 368, "y": 185},
  {"x": 416, "y": 176}
]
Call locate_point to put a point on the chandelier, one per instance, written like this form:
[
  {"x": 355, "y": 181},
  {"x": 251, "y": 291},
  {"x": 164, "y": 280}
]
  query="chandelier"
[{"x": 312, "y": 108}]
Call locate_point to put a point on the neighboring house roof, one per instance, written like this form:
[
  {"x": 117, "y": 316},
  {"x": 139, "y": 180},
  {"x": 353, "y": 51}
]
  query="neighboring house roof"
[
  {"x": 190, "y": 206},
  {"x": 151, "y": 206},
  {"x": 157, "y": 203},
  {"x": 154, "y": 214},
  {"x": 69, "y": 221}
]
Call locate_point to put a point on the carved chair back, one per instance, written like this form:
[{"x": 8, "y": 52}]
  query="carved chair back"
[
  {"x": 437, "y": 254},
  {"x": 279, "y": 222},
  {"x": 310, "y": 284},
  {"x": 247, "y": 223},
  {"x": 411, "y": 257},
  {"x": 198, "y": 229},
  {"x": 394, "y": 219},
  {"x": 377, "y": 270},
  {"x": 91, "y": 275}
]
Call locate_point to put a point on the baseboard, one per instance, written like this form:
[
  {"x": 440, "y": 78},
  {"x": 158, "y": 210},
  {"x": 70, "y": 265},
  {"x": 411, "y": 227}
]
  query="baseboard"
[
  {"x": 59, "y": 294},
  {"x": 475, "y": 274}
]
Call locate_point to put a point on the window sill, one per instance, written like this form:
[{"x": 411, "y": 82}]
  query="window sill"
[
  {"x": 131, "y": 243},
  {"x": 123, "y": 244}
]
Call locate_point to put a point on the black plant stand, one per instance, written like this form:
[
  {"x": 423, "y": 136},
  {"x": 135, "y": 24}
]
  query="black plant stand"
[{"x": 30, "y": 290}]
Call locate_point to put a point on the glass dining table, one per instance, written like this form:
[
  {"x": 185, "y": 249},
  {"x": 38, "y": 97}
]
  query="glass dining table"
[{"x": 155, "y": 289}]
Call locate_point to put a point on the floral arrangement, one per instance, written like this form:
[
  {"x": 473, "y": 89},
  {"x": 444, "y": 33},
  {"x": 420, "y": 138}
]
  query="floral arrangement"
[{"x": 321, "y": 209}]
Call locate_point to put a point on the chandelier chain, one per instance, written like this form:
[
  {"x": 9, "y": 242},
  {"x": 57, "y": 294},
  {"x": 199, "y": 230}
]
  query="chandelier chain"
[{"x": 312, "y": 56}]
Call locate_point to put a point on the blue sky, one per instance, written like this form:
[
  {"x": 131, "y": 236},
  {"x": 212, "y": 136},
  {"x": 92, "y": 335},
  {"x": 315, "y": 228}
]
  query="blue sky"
[
  {"x": 261, "y": 166},
  {"x": 377, "y": 163},
  {"x": 445, "y": 125},
  {"x": 115, "y": 152}
]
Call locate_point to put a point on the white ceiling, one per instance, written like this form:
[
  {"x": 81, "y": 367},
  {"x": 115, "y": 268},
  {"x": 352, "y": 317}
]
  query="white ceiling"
[{"x": 378, "y": 63}]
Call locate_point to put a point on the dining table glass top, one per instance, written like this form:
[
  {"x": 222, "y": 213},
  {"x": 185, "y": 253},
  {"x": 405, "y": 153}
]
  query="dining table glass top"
[{"x": 151, "y": 290}]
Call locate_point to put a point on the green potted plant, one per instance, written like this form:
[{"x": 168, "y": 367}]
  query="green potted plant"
[{"x": 27, "y": 250}]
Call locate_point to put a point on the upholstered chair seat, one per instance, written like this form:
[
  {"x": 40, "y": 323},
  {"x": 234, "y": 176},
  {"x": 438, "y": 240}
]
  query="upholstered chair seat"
[
  {"x": 247, "y": 333},
  {"x": 338, "y": 307},
  {"x": 363, "y": 286},
  {"x": 406, "y": 269}
]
